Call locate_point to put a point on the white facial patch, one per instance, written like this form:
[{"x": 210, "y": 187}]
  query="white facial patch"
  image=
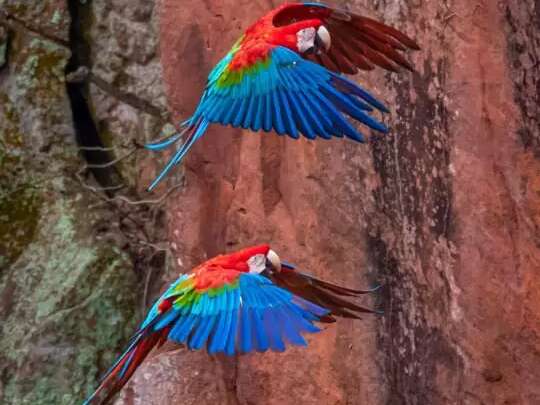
[
  {"x": 305, "y": 39},
  {"x": 257, "y": 264}
]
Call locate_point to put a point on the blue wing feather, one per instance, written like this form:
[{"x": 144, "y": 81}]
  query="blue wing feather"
[
  {"x": 290, "y": 332},
  {"x": 341, "y": 125},
  {"x": 256, "y": 124},
  {"x": 318, "y": 128},
  {"x": 250, "y": 113},
  {"x": 180, "y": 332},
  {"x": 274, "y": 329},
  {"x": 219, "y": 338},
  {"x": 233, "y": 328},
  {"x": 201, "y": 333},
  {"x": 261, "y": 341},
  {"x": 350, "y": 108},
  {"x": 167, "y": 319},
  {"x": 301, "y": 120},
  {"x": 268, "y": 121},
  {"x": 229, "y": 114},
  {"x": 322, "y": 122},
  {"x": 226, "y": 328},
  {"x": 233, "y": 333},
  {"x": 352, "y": 88},
  {"x": 254, "y": 314},
  {"x": 276, "y": 96},
  {"x": 292, "y": 129},
  {"x": 245, "y": 341},
  {"x": 279, "y": 124},
  {"x": 239, "y": 118}
]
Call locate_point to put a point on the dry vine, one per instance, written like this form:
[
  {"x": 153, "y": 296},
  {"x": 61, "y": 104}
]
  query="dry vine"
[{"x": 140, "y": 218}]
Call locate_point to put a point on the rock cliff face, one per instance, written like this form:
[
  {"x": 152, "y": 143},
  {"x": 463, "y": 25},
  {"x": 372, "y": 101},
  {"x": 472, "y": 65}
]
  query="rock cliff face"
[
  {"x": 73, "y": 258},
  {"x": 444, "y": 211}
]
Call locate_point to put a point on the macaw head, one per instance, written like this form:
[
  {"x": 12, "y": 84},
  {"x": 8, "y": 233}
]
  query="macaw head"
[
  {"x": 305, "y": 22},
  {"x": 304, "y": 37},
  {"x": 313, "y": 40},
  {"x": 257, "y": 259},
  {"x": 260, "y": 263}
]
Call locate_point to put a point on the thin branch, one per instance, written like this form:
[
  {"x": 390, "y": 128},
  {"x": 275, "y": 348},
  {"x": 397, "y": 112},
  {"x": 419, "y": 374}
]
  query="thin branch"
[
  {"x": 112, "y": 162},
  {"x": 135, "y": 144},
  {"x": 150, "y": 269},
  {"x": 97, "y": 148},
  {"x": 157, "y": 201},
  {"x": 104, "y": 165},
  {"x": 150, "y": 272}
]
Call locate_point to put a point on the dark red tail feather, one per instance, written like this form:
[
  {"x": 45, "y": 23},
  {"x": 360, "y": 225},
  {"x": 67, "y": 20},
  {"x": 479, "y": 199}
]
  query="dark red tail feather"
[{"x": 128, "y": 363}]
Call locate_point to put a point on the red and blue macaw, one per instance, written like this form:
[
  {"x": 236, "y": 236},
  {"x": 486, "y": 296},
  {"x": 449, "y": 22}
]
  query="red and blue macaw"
[
  {"x": 284, "y": 74},
  {"x": 235, "y": 303}
]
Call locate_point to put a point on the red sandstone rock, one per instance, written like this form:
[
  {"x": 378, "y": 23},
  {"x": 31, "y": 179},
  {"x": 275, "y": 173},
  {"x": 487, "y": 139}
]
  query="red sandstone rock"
[{"x": 444, "y": 211}]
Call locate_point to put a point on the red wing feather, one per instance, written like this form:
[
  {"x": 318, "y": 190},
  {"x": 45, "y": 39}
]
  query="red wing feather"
[
  {"x": 322, "y": 293},
  {"x": 356, "y": 58},
  {"x": 358, "y": 42},
  {"x": 346, "y": 64},
  {"x": 368, "y": 24},
  {"x": 327, "y": 62}
]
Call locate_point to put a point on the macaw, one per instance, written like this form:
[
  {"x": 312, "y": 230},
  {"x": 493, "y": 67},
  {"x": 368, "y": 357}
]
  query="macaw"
[
  {"x": 235, "y": 303},
  {"x": 284, "y": 74}
]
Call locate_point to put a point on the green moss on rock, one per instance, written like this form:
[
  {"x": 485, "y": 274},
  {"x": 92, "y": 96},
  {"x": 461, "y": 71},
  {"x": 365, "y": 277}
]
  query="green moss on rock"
[
  {"x": 3, "y": 46},
  {"x": 67, "y": 297},
  {"x": 42, "y": 72},
  {"x": 19, "y": 216},
  {"x": 77, "y": 300}
]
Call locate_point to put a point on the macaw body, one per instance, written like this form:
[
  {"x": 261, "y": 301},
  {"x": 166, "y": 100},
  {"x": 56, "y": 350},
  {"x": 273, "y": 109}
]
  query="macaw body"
[
  {"x": 284, "y": 74},
  {"x": 235, "y": 303}
]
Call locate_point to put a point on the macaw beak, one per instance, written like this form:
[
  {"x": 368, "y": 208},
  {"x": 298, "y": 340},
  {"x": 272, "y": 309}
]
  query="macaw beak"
[
  {"x": 323, "y": 39},
  {"x": 273, "y": 262}
]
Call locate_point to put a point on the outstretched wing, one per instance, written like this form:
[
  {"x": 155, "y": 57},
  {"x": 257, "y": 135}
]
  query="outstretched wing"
[
  {"x": 265, "y": 88},
  {"x": 323, "y": 293},
  {"x": 247, "y": 312},
  {"x": 223, "y": 310},
  {"x": 358, "y": 42},
  {"x": 226, "y": 310}
]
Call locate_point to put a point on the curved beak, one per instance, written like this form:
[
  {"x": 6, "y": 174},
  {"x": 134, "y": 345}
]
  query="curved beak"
[
  {"x": 273, "y": 261},
  {"x": 323, "y": 39}
]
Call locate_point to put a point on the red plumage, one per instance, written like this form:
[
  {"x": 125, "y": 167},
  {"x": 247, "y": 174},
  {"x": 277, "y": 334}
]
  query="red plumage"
[
  {"x": 196, "y": 296},
  {"x": 254, "y": 87},
  {"x": 358, "y": 42},
  {"x": 142, "y": 346}
]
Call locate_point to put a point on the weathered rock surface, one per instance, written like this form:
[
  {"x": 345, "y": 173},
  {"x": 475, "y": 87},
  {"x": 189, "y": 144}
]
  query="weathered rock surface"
[
  {"x": 444, "y": 211},
  {"x": 71, "y": 285}
]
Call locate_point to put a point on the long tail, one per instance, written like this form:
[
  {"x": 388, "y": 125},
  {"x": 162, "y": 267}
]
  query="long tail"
[
  {"x": 193, "y": 131},
  {"x": 118, "y": 375},
  {"x": 322, "y": 293}
]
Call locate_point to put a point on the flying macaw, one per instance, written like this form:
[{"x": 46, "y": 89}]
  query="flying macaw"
[
  {"x": 235, "y": 303},
  {"x": 284, "y": 74}
]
